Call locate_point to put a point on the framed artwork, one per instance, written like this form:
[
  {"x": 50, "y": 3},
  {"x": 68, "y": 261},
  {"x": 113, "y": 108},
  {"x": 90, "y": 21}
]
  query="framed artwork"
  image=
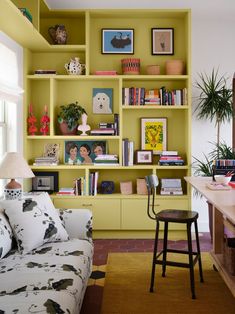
[
  {"x": 154, "y": 134},
  {"x": 162, "y": 41},
  {"x": 144, "y": 157},
  {"x": 51, "y": 150},
  {"x": 83, "y": 152},
  {"x": 45, "y": 181},
  {"x": 117, "y": 41},
  {"x": 102, "y": 100}
]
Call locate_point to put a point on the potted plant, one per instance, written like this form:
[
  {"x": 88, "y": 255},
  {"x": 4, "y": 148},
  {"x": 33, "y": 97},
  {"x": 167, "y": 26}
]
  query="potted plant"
[
  {"x": 214, "y": 103},
  {"x": 69, "y": 116}
]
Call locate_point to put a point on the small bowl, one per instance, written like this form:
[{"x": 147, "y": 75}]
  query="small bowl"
[{"x": 222, "y": 179}]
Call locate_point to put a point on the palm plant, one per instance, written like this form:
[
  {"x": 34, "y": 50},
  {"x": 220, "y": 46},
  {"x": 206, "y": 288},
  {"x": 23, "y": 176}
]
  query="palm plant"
[{"x": 215, "y": 100}]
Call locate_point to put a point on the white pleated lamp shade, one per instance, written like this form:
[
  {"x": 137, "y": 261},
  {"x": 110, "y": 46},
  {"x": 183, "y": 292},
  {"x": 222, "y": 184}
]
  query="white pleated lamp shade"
[{"x": 14, "y": 166}]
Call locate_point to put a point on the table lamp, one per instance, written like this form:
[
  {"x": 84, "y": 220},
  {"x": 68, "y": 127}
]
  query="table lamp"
[{"x": 14, "y": 166}]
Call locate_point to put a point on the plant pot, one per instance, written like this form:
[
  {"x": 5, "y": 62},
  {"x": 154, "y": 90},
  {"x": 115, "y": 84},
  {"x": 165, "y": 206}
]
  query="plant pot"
[{"x": 65, "y": 130}]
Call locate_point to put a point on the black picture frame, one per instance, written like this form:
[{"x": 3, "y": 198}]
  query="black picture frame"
[
  {"x": 162, "y": 41},
  {"x": 45, "y": 181},
  {"x": 117, "y": 41}
]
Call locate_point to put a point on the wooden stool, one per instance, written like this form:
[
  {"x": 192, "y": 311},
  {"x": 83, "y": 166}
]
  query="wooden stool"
[{"x": 177, "y": 216}]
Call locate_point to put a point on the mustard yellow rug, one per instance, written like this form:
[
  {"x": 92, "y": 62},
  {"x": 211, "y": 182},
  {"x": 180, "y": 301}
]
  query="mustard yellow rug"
[{"x": 126, "y": 289}]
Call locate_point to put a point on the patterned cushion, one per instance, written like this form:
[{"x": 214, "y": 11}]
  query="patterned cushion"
[
  {"x": 5, "y": 236},
  {"x": 34, "y": 221}
]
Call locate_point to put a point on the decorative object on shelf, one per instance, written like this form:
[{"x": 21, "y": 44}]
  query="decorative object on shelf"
[
  {"x": 13, "y": 166},
  {"x": 52, "y": 150},
  {"x": 117, "y": 41},
  {"x": 107, "y": 187},
  {"x": 144, "y": 157},
  {"x": 45, "y": 120},
  {"x": 174, "y": 67},
  {"x": 126, "y": 187},
  {"x": 27, "y": 14},
  {"x": 131, "y": 66},
  {"x": 46, "y": 181},
  {"x": 58, "y": 34},
  {"x": 102, "y": 100},
  {"x": 32, "y": 129},
  {"x": 153, "y": 69},
  {"x": 84, "y": 127},
  {"x": 162, "y": 41},
  {"x": 154, "y": 134},
  {"x": 74, "y": 67},
  {"x": 68, "y": 118},
  {"x": 141, "y": 186},
  {"x": 83, "y": 152}
]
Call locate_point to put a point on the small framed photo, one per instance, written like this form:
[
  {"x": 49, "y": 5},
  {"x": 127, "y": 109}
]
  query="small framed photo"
[
  {"x": 83, "y": 152},
  {"x": 154, "y": 134},
  {"x": 144, "y": 157},
  {"x": 45, "y": 181},
  {"x": 102, "y": 99},
  {"x": 117, "y": 41},
  {"x": 162, "y": 41}
]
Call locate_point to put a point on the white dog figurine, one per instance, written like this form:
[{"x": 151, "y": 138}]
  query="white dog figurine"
[{"x": 101, "y": 103}]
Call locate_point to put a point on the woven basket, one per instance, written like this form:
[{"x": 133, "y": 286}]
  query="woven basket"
[
  {"x": 131, "y": 66},
  {"x": 153, "y": 69},
  {"x": 174, "y": 67}
]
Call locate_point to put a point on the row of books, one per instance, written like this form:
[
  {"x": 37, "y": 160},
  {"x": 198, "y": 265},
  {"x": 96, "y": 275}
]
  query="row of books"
[
  {"x": 93, "y": 182},
  {"x": 139, "y": 96},
  {"x": 170, "y": 158},
  {"x": 127, "y": 152}
]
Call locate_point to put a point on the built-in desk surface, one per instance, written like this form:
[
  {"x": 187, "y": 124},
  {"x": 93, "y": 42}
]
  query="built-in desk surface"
[{"x": 223, "y": 202}]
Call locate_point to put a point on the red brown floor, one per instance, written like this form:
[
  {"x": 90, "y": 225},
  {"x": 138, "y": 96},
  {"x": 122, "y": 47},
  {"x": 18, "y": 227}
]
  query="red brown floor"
[{"x": 93, "y": 297}]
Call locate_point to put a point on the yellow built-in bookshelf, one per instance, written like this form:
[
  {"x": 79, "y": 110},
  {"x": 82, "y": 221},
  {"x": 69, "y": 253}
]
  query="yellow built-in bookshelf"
[{"x": 114, "y": 214}]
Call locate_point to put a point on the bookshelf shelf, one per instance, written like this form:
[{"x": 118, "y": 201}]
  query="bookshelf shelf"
[{"x": 114, "y": 211}]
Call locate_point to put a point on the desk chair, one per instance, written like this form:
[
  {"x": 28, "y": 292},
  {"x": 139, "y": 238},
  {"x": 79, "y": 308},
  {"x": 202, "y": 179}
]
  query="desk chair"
[{"x": 177, "y": 216}]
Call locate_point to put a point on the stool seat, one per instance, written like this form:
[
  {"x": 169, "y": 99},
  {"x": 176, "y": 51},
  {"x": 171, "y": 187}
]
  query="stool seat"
[{"x": 177, "y": 215}]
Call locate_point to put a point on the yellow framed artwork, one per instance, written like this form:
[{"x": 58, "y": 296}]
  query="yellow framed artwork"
[{"x": 154, "y": 134}]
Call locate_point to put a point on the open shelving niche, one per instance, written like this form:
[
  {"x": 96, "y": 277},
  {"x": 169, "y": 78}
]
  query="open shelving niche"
[{"x": 115, "y": 213}]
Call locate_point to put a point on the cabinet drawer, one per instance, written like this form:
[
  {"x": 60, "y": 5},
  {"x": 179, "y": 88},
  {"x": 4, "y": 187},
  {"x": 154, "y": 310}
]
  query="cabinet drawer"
[
  {"x": 106, "y": 213},
  {"x": 135, "y": 217}
]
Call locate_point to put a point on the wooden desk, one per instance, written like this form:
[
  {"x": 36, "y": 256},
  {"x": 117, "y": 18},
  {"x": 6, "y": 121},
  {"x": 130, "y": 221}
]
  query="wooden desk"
[{"x": 223, "y": 206}]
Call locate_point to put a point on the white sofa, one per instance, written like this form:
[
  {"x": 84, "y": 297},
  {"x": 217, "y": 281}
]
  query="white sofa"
[{"x": 51, "y": 278}]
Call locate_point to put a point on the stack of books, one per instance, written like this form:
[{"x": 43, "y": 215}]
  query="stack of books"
[
  {"x": 171, "y": 187},
  {"x": 106, "y": 160},
  {"x": 170, "y": 158},
  {"x": 103, "y": 131},
  {"x": 152, "y": 97},
  {"x": 65, "y": 191},
  {"x": 45, "y": 161}
]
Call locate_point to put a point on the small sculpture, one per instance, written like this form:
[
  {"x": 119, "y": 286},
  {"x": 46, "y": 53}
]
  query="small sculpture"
[
  {"x": 74, "y": 67},
  {"x": 32, "y": 129},
  {"x": 58, "y": 34},
  {"x": 45, "y": 120},
  {"x": 84, "y": 127}
]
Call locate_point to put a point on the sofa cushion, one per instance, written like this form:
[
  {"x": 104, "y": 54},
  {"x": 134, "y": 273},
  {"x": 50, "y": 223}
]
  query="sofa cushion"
[
  {"x": 60, "y": 267},
  {"x": 5, "y": 235},
  {"x": 34, "y": 221}
]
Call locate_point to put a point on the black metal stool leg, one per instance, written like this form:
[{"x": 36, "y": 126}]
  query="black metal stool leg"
[
  {"x": 190, "y": 254},
  {"x": 164, "y": 249},
  {"x": 198, "y": 251},
  {"x": 154, "y": 256}
]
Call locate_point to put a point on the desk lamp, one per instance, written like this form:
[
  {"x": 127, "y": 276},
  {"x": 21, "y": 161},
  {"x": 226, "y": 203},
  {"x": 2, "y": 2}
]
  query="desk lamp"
[{"x": 13, "y": 166}]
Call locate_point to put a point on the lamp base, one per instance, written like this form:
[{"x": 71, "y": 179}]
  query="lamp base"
[
  {"x": 12, "y": 194},
  {"x": 13, "y": 190}
]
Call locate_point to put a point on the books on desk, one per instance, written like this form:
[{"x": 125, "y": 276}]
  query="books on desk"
[{"x": 218, "y": 186}]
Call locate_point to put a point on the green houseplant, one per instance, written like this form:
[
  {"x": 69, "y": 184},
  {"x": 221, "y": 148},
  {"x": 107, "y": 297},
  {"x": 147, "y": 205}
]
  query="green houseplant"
[{"x": 69, "y": 116}]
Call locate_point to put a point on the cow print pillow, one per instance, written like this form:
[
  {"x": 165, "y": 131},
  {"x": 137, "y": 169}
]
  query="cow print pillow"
[
  {"x": 34, "y": 222},
  {"x": 5, "y": 236}
]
